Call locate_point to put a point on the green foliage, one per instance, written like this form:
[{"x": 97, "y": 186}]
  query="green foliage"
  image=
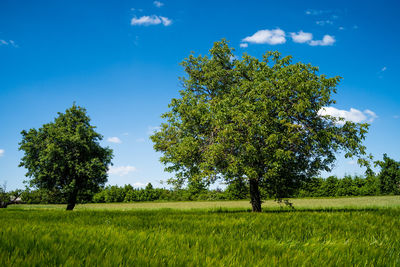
[
  {"x": 4, "y": 197},
  {"x": 65, "y": 156},
  {"x": 129, "y": 194},
  {"x": 255, "y": 120},
  {"x": 42, "y": 196},
  {"x": 199, "y": 238},
  {"x": 335, "y": 187},
  {"x": 237, "y": 189},
  {"x": 389, "y": 177}
]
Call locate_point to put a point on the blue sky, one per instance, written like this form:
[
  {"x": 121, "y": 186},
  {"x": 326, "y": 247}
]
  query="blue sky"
[{"x": 120, "y": 60}]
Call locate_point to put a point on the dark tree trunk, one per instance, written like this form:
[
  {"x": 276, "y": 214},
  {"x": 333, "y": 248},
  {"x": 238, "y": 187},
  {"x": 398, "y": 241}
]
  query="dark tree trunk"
[
  {"x": 3, "y": 205},
  {"x": 72, "y": 199},
  {"x": 255, "y": 198}
]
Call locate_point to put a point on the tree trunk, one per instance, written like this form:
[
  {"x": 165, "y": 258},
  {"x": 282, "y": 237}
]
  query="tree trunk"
[
  {"x": 72, "y": 199},
  {"x": 255, "y": 198},
  {"x": 3, "y": 205}
]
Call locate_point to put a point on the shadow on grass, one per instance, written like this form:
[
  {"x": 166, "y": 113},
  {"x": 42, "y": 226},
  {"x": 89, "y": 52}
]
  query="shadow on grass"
[{"x": 286, "y": 210}]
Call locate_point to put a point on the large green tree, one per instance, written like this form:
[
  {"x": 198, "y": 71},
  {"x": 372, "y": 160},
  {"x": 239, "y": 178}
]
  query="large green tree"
[
  {"x": 256, "y": 120},
  {"x": 65, "y": 156}
]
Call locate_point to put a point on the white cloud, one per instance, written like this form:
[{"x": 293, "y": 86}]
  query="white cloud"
[
  {"x": 114, "y": 139},
  {"x": 372, "y": 115},
  {"x": 353, "y": 115},
  {"x": 166, "y": 21},
  {"x": 307, "y": 37},
  {"x": 327, "y": 40},
  {"x": 272, "y": 37},
  {"x": 301, "y": 37},
  {"x": 121, "y": 170},
  {"x": 2, "y": 151},
  {"x": 383, "y": 69},
  {"x": 278, "y": 36},
  {"x": 158, "y": 3},
  {"x": 150, "y": 20}
]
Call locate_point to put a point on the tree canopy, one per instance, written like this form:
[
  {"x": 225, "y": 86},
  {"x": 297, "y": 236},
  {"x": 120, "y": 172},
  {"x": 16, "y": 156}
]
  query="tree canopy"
[
  {"x": 65, "y": 156},
  {"x": 254, "y": 120}
]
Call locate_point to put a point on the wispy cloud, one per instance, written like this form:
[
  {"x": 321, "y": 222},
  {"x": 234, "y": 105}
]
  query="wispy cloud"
[
  {"x": 2, "y": 151},
  {"x": 301, "y": 37},
  {"x": 380, "y": 73},
  {"x": 158, "y": 4},
  {"x": 114, "y": 139},
  {"x": 136, "y": 9},
  {"x": 121, "y": 170},
  {"x": 324, "y": 22},
  {"x": 151, "y": 20},
  {"x": 244, "y": 45},
  {"x": 8, "y": 43},
  {"x": 326, "y": 40},
  {"x": 353, "y": 115},
  {"x": 272, "y": 37},
  {"x": 317, "y": 12}
]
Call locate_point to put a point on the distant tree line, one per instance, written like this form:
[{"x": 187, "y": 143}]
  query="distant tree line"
[{"x": 386, "y": 182}]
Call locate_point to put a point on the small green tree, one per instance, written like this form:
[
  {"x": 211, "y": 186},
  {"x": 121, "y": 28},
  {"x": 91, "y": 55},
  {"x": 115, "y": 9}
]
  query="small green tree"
[
  {"x": 65, "y": 156},
  {"x": 389, "y": 176},
  {"x": 4, "y": 196},
  {"x": 255, "y": 120}
]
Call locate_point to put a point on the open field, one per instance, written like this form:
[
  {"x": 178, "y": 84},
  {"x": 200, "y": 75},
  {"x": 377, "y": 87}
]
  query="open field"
[
  {"x": 302, "y": 203},
  {"x": 333, "y": 232}
]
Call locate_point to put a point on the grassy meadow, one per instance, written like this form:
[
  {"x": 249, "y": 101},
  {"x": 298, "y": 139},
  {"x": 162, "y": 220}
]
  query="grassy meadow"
[{"x": 335, "y": 232}]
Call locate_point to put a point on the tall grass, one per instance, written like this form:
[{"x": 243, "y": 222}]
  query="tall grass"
[{"x": 200, "y": 237}]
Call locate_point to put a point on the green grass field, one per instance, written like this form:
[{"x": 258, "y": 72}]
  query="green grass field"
[{"x": 335, "y": 232}]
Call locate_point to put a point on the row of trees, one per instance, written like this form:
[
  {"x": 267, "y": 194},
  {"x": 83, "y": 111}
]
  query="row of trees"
[
  {"x": 237, "y": 120},
  {"x": 387, "y": 182}
]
